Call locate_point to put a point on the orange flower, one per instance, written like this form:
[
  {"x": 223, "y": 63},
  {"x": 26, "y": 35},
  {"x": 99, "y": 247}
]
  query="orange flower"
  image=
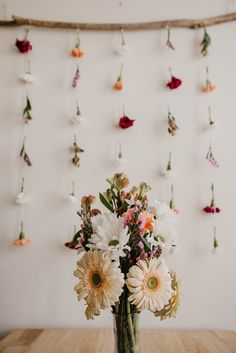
[
  {"x": 21, "y": 242},
  {"x": 209, "y": 88},
  {"x": 77, "y": 53},
  {"x": 118, "y": 85},
  {"x": 146, "y": 222},
  {"x": 87, "y": 199}
]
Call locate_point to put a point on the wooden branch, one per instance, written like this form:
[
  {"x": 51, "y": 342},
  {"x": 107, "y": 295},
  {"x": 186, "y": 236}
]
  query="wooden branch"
[{"x": 192, "y": 24}]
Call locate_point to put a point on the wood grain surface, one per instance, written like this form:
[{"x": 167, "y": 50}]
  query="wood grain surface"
[{"x": 101, "y": 341}]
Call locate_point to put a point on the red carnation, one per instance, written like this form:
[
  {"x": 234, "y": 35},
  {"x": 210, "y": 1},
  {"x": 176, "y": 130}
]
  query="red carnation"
[
  {"x": 24, "y": 46},
  {"x": 174, "y": 83},
  {"x": 212, "y": 208},
  {"x": 125, "y": 122}
]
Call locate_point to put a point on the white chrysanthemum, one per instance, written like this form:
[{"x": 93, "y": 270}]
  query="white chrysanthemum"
[
  {"x": 122, "y": 49},
  {"x": 22, "y": 198},
  {"x": 150, "y": 284},
  {"x": 27, "y": 77},
  {"x": 109, "y": 235},
  {"x": 166, "y": 227},
  {"x": 101, "y": 281},
  {"x": 72, "y": 198},
  {"x": 78, "y": 119},
  {"x": 166, "y": 173}
]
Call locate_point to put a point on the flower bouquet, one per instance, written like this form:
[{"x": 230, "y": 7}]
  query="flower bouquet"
[{"x": 121, "y": 264}]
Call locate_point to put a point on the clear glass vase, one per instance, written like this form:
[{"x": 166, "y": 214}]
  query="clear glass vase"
[{"x": 126, "y": 333}]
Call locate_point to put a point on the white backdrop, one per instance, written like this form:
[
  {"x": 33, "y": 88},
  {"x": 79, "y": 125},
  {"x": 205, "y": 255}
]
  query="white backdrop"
[{"x": 37, "y": 281}]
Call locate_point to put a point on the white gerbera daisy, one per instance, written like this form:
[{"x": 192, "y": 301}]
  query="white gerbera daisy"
[
  {"x": 150, "y": 284},
  {"x": 166, "y": 227},
  {"x": 110, "y": 234},
  {"x": 101, "y": 281}
]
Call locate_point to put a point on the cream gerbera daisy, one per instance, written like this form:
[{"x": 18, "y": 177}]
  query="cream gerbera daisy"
[
  {"x": 150, "y": 284},
  {"x": 101, "y": 281},
  {"x": 110, "y": 234}
]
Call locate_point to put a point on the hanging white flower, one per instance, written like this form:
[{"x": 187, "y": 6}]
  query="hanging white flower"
[
  {"x": 166, "y": 173},
  {"x": 213, "y": 125},
  {"x": 27, "y": 77},
  {"x": 120, "y": 160},
  {"x": 100, "y": 281},
  {"x": 122, "y": 49},
  {"x": 73, "y": 199},
  {"x": 149, "y": 282},
  {"x": 22, "y": 198},
  {"x": 78, "y": 118},
  {"x": 109, "y": 235},
  {"x": 166, "y": 227}
]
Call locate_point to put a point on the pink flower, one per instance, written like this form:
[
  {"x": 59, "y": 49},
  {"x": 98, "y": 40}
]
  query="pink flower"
[{"x": 76, "y": 78}]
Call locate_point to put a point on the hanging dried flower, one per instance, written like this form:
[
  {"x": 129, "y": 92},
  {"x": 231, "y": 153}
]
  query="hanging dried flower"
[
  {"x": 212, "y": 208},
  {"x": 119, "y": 82},
  {"x": 125, "y": 122},
  {"x": 76, "y": 149},
  {"x": 27, "y": 111},
  {"x": 24, "y": 46},
  {"x": 21, "y": 241},
  {"x": 174, "y": 81},
  {"x": 21, "y": 197},
  {"x": 211, "y": 158},
  {"x": 120, "y": 159},
  {"x": 166, "y": 173},
  {"x": 76, "y": 78},
  {"x": 171, "y": 203},
  {"x": 172, "y": 126},
  {"x": 216, "y": 248},
  {"x": 24, "y": 155},
  {"x": 209, "y": 87},
  {"x": 205, "y": 43},
  {"x": 212, "y": 124},
  {"x": 27, "y": 77},
  {"x": 76, "y": 51},
  {"x": 77, "y": 241},
  {"x": 72, "y": 198},
  {"x": 123, "y": 48},
  {"x": 168, "y": 41},
  {"x": 78, "y": 118}
]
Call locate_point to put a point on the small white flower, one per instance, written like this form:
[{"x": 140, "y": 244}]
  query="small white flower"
[
  {"x": 27, "y": 77},
  {"x": 120, "y": 161},
  {"x": 78, "y": 119},
  {"x": 122, "y": 49},
  {"x": 72, "y": 198},
  {"x": 218, "y": 250},
  {"x": 213, "y": 125},
  {"x": 22, "y": 198},
  {"x": 109, "y": 235},
  {"x": 166, "y": 173}
]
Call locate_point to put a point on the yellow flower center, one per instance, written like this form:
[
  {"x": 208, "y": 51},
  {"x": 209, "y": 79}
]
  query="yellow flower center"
[
  {"x": 113, "y": 242},
  {"x": 96, "y": 279},
  {"x": 152, "y": 283}
]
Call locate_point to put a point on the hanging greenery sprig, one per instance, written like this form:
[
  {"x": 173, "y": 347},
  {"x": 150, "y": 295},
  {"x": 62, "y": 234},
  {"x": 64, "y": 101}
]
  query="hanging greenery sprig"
[
  {"x": 27, "y": 111},
  {"x": 24, "y": 155},
  {"x": 205, "y": 43},
  {"x": 168, "y": 41},
  {"x": 171, "y": 203},
  {"x": 172, "y": 126},
  {"x": 167, "y": 172},
  {"x": 76, "y": 149}
]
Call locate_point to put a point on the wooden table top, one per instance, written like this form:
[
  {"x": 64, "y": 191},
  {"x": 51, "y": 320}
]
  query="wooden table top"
[{"x": 101, "y": 341}]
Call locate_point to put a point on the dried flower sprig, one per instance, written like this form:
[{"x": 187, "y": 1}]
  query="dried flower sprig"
[
  {"x": 76, "y": 149},
  {"x": 78, "y": 118},
  {"x": 167, "y": 172},
  {"x": 76, "y": 78},
  {"x": 171, "y": 203},
  {"x": 24, "y": 46},
  {"x": 174, "y": 81},
  {"x": 205, "y": 43},
  {"x": 122, "y": 48},
  {"x": 209, "y": 87},
  {"x": 27, "y": 111},
  {"x": 172, "y": 126},
  {"x": 168, "y": 41},
  {"x": 21, "y": 241},
  {"x": 120, "y": 159},
  {"x": 118, "y": 86},
  {"x": 76, "y": 51},
  {"x": 24, "y": 155},
  {"x": 210, "y": 157},
  {"x": 212, "y": 208}
]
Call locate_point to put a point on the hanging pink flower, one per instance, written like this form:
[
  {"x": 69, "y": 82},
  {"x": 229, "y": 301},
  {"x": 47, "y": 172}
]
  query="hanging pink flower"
[
  {"x": 76, "y": 78},
  {"x": 24, "y": 46},
  {"x": 125, "y": 122},
  {"x": 212, "y": 208}
]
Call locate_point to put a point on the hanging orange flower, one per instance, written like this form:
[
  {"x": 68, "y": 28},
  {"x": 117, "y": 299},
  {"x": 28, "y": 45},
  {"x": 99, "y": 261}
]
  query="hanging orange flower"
[
  {"x": 119, "y": 84},
  {"x": 21, "y": 241},
  {"x": 209, "y": 87},
  {"x": 76, "y": 52}
]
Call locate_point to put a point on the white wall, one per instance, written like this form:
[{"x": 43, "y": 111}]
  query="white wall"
[{"x": 37, "y": 281}]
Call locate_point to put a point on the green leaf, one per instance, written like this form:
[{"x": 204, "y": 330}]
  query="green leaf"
[
  {"x": 105, "y": 202},
  {"x": 145, "y": 242}
]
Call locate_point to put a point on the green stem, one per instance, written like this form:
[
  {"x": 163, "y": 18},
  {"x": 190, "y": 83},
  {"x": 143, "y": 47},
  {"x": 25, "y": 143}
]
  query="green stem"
[{"x": 130, "y": 324}]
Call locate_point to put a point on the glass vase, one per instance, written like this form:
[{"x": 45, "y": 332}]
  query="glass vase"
[{"x": 126, "y": 333}]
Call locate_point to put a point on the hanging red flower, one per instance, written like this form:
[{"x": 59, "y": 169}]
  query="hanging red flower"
[
  {"x": 212, "y": 208},
  {"x": 24, "y": 46},
  {"x": 125, "y": 122},
  {"x": 174, "y": 83}
]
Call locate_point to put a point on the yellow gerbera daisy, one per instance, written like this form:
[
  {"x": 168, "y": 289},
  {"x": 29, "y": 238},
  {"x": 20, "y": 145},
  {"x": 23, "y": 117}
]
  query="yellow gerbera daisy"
[
  {"x": 149, "y": 282},
  {"x": 101, "y": 281}
]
